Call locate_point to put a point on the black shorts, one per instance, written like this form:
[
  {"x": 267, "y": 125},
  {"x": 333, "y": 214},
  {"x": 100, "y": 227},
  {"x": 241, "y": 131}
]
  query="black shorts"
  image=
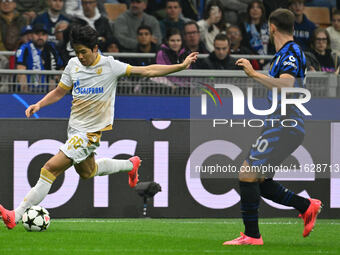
[{"x": 273, "y": 146}]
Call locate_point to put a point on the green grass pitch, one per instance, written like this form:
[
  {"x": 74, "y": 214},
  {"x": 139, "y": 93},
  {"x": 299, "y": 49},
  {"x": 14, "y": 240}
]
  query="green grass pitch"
[{"x": 168, "y": 236}]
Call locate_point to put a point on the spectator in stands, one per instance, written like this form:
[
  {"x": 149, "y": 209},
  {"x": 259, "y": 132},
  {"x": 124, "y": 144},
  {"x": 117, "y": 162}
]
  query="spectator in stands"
[
  {"x": 156, "y": 8},
  {"x": 26, "y": 34},
  {"x": 30, "y": 8},
  {"x": 51, "y": 17},
  {"x": 172, "y": 52},
  {"x": 127, "y": 24},
  {"x": 320, "y": 46},
  {"x": 61, "y": 34},
  {"x": 220, "y": 59},
  {"x": 59, "y": 29},
  {"x": 303, "y": 27},
  {"x": 93, "y": 18},
  {"x": 192, "y": 9},
  {"x": 74, "y": 7},
  {"x": 255, "y": 30},
  {"x": 234, "y": 9},
  {"x": 38, "y": 54},
  {"x": 212, "y": 24},
  {"x": 192, "y": 38},
  {"x": 11, "y": 24},
  {"x": 173, "y": 17},
  {"x": 113, "y": 46},
  {"x": 145, "y": 45},
  {"x": 235, "y": 38},
  {"x": 334, "y": 32},
  {"x": 4, "y": 79}
]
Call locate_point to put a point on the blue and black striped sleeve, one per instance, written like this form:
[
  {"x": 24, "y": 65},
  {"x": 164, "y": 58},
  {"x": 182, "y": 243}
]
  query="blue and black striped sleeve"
[{"x": 290, "y": 63}]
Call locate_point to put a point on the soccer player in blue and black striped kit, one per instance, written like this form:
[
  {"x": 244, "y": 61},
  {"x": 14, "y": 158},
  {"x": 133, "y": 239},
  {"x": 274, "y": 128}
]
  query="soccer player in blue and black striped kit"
[{"x": 276, "y": 142}]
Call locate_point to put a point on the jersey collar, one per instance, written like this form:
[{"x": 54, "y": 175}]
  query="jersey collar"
[
  {"x": 285, "y": 45},
  {"x": 97, "y": 60}
]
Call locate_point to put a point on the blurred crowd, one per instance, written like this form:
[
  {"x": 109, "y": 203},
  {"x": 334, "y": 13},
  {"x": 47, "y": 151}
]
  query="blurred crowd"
[{"x": 38, "y": 30}]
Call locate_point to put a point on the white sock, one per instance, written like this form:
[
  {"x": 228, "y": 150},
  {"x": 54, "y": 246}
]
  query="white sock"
[
  {"x": 108, "y": 166},
  {"x": 36, "y": 194}
]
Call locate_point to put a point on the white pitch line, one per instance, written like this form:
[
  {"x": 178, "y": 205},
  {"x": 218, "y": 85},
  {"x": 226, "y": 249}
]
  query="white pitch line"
[{"x": 182, "y": 222}]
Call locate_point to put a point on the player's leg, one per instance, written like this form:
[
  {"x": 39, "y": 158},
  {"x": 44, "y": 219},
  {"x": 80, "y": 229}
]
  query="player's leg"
[
  {"x": 289, "y": 141},
  {"x": 106, "y": 166},
  {"x": 308, "y": 208},
  {"x": 259, "y": 155},
  {"x": 49, "y": 172},
  {"x": 80, "y": 147},
  {"x": 109, "y": 166},
  {"x": 250, "y": 200},
  {"x": 277, "y": 193}
]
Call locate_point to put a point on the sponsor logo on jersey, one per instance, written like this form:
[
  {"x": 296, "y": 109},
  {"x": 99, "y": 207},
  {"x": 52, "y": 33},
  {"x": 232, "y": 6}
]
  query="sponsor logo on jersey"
[
  {"x": 94, "y": 90},
  {"x": 290, "y": 63}
]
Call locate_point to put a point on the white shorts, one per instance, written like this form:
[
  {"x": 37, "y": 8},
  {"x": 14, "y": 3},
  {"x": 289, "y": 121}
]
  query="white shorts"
[{"x": 80, "y": 145}]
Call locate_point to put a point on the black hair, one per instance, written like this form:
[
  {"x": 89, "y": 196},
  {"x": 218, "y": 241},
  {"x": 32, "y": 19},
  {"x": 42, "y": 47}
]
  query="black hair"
[
  {"x": 290, "y": 2},
  {"x": 222, "y": 37},
  {"x": 221, "y": 24},
  {"x": 172, "y": 31},
  {"x": 250, "y": 5},
  {"x": 191, "y": 23},
  {"x": 234, "y": 26},
  {"x": 84, "y": 35},
  {"x": 145, "y": 27},
  {"x": 176, "y": 1}
]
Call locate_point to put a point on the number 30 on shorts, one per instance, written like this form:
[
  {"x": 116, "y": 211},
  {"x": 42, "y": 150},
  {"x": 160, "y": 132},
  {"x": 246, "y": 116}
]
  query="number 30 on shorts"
[
  {"x": 76, "y": 142},
  {"x": 261, "y": 144}
]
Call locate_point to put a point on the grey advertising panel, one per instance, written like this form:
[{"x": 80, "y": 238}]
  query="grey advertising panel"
[{"x": 167, "y": 153}]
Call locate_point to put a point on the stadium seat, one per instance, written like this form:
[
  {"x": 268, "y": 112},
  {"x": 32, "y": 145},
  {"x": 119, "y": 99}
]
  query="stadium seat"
[
  {"x": 318, "y": 15},
  {"x": 114, "y": 10}
]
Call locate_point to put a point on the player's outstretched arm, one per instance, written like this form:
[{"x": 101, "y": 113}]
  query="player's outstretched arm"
[
  {"x": 161, "y": 70},
  {"x": 285, "y": 80},
  {"x": 52, "y": 97}
]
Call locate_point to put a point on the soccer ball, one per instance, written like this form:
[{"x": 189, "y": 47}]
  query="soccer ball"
[{"x": 36, "y": 219}]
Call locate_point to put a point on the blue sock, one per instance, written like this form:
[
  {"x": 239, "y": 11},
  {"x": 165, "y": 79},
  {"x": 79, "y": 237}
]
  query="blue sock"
[
  {"x": 274, "y": 191},
  {"x": 250, "y": 200}
]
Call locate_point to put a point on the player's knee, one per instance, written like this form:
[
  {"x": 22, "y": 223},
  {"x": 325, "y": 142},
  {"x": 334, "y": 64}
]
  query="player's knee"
[
  {"x": 247, "y": 179},
  {"x": 85, "y": 175},
  {"x": 88, "y": 173},
  {"x": 49, "y": 168}
]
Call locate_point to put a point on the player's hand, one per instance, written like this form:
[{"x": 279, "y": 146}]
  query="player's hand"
[
  {"x": 247, "y": 67},
  {"x": 31, "y": 110},
  {"x": 190, "y": 59}
]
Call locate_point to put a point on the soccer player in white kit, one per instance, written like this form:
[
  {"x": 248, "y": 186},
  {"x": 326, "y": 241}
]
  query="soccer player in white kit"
[{"x": 93, "y": 81}]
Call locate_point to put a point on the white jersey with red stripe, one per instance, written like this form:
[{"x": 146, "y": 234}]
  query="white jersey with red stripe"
[{"x": 93, "y": 90}]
